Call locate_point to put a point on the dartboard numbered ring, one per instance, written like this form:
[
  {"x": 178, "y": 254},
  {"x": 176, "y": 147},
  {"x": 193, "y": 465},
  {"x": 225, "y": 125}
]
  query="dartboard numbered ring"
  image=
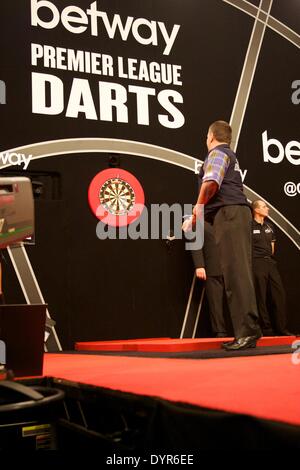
[{"x": 116, "y": 197}]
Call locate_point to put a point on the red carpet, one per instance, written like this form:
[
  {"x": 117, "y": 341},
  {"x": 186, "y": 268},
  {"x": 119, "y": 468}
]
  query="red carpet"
[
  {"x": 266, "y": 386},
  {"x": 173, "y": 345}
]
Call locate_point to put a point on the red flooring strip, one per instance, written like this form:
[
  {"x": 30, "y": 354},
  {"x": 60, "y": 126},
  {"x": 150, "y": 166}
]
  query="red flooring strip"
[
  {"x": 264, "y": 386},
  {"x": 173, "y": 345}
]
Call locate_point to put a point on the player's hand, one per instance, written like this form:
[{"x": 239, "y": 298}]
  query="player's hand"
[
  {"x": 201, "y": 273},
  {"x": 187, "y": 224}
]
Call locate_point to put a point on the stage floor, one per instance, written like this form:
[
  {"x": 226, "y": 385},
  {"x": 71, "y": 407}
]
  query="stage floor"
[{"x": 267, "y": 387}]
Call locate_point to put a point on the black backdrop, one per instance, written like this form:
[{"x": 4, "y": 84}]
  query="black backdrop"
[{"x": 123, "y": 288}]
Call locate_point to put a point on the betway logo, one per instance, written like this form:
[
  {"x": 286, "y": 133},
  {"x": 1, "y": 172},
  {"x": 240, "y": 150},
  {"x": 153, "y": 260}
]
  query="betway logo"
[
  {"x": 290, "y": 151},
  {"x": 7, "y": 158},
  {"x": 77, "y": 21}
]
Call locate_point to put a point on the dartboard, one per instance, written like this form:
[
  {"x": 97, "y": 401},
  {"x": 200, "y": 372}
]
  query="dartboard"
[{"x": 117, "y": 196}]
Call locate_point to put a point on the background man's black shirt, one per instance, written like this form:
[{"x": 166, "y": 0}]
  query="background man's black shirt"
[{"x": 262, "y": 238}]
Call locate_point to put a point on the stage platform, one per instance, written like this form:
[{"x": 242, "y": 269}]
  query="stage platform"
[
  {"x": 177, "y": 404},
  {"x": 174, "y": 345},
  {"x": 150, "y": 396},
  {"x": 187, "y": 348},
  {"x": 266, "y": 386}
]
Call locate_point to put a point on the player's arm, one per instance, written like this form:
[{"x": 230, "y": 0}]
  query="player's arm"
[
  {"x": 207, "y": 191},
  {"x": 215, "y": 169}
]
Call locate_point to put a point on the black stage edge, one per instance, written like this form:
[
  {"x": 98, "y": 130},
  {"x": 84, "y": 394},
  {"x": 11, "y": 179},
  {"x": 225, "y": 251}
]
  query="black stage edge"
[
  {"x": 207, "y": 354},
  {"x": 124, "y": 424}
]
